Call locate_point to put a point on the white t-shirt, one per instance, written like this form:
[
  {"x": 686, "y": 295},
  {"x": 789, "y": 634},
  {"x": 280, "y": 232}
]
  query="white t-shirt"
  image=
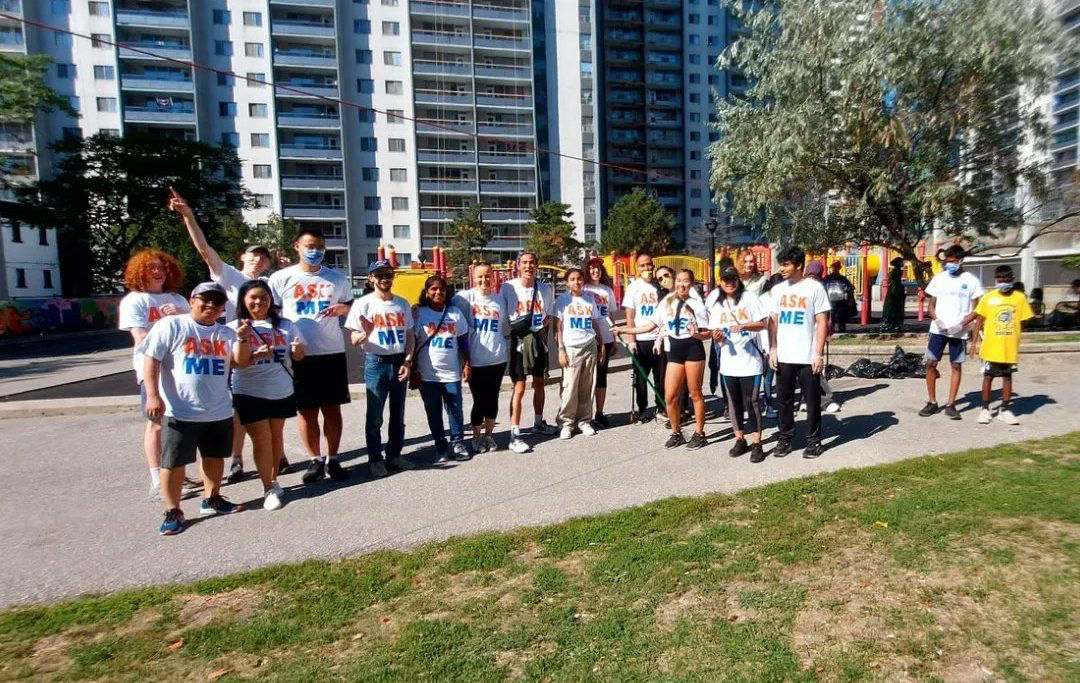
[
  {"x": 440, "y": 359},
  {"x": 740, "y": 354},
  {"x": 691, "y": 311},
  {"x": 955, "y": 298},
  {"x": 518, "y": 297},
  {"x": 796, "y": 307},
  {"x": 268, "y": 378},
  {"x": 392, "y": 320},
  {"x": 765, "y": 299},
  {"x": 143, "y": 309},
  {"x": 232, "y": 280},
  {"x": 195, "y": 361},
  {"x": 489, "y": 325},
  {"x": 302, "y": 295},
  {"x": 604, "y": 299},
  {"x": 641, "y": 297},
  {"x": 579, "y": 316}
]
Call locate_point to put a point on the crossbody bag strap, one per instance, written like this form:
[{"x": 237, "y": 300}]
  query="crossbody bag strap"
[{"x": 442, "y": 319}]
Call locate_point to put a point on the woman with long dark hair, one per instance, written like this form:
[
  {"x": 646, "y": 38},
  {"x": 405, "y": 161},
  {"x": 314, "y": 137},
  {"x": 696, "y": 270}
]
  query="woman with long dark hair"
[
  {"x": 598, "y": 286},
  {"x": 442, "y": 361},
  {"x": 263, "y": 391}
]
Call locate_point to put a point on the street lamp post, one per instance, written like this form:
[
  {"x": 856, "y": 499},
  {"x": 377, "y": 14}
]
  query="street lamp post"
[{"x": 710, "y": 225}]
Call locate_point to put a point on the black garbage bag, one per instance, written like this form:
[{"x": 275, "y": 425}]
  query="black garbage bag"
[
  {"x": 834, "y": 371},
  {"x": 867, "y": 369}
]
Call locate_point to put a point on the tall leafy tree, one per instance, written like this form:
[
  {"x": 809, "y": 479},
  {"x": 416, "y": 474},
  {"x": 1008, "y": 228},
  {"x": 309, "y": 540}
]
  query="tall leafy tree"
[
  {"x": 24, "y": 91},
  {"x": 638, "y": 222},
  {"x": 107, "y": 198},
  {"x": 551, "y": 235},
  {"x": 881, "y": 121},
  {"x": 467, "y": 236}
]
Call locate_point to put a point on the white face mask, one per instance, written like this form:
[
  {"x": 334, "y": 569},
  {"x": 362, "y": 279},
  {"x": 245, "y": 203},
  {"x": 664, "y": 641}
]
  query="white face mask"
[{"x": 1005, "y": 287}]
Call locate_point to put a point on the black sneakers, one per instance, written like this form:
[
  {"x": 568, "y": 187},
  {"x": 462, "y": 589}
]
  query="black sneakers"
[
  {"x": 314, "y": 471},
  {"x": 812, "y": 450},
  {"x": 283, "y": 466},
  {"x": 697, "y": 440},
  {"x": 756, "y": 454},
  {"x": 782, "y": 448},
  {"x": 951, "y": 412},
  {"x": 645, "y": 417},
  {"x": 929, "y": 409},
  {"x": 602, "y": 421},
  {"x": 739, "y": 448},
  {"x": 236, "y": 471},
  {"x": 676, "y": 439},
  {"x": 336, "y": 471}
]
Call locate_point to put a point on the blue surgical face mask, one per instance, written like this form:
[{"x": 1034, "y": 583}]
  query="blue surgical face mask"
[
  {"x": 313, "y": 257},
  {"x": 1004, "y": 287},
  {"x": 952, "y": 268}
]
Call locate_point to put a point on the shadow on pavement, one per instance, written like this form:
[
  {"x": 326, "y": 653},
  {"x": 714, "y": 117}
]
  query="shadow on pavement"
[
  {"x": 858, "y": 427},
  {"x": 1021, "y": 405}
]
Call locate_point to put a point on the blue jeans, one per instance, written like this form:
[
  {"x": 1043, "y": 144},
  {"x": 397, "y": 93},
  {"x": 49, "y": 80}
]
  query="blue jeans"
[
  {"x": 381, "y": 382},
  {"x": 767, "y": 385},
  {"x": 436, "y": 395}
]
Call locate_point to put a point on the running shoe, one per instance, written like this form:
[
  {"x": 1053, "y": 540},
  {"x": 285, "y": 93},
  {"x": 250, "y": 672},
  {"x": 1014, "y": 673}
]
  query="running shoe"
[
  {"x": 676, "y": 439},
  {"x": 645, "y": 417},
  {"x": 929, "y": 409},
  {"x": 756, "y": 453},
  {"x": 402, "y": 464},
  {"x": 155, "y": 494},
  {"x": 377, "y": 469},
  {"x": 218, "y": 505},
  {"x": 542, "y": 427},
  {"x": 173, "y": 524},
  {"x": 985, "y": 416},
  {"x": 236, "y": 471},
  {"x": 833, "y": 407},
  {"x": 739, "y": 448},
  {"x": 271, "y": 499},
  {"x": 491, "y": 445},
  {"x": 697, "y": 440},
  {"x": 1006, "y": 416},
  {"x": 518, "y": 445},
  {"x": 442, "y": 455},
  {"x": 336, "y": 471},
  {"x": 314, "y": 472},
  {"x": 951, "y": 412},
  {"x": 283, "y": 466},
  {"x": 812, "y": 450},
  {"x": 461, "y": 453},
  {"x": 478, "y": 444},
  {"x": 782, "y": 448},
  {"x": 566, "y": 433},
  {"x": 601, "y": 421},
  {"x": 586, "y": 428}
]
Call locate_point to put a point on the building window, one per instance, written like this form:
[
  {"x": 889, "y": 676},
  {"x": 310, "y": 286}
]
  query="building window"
[
  {"x": 16, "y": 232},
  {"x": 257, "y": 111},
  {"x": 222, "y": 16},
  {"x": 401, "y": 232},
  {"x": 47, "y": 279},
  {"x": 223, "y": 48},
  {"x": 391, "y": 58},
  {"x": 109, "y": 132},
  {"x": 365, "y": 116},
  {"x": 230, "y": 139},
  {"x": 399, "y": 203},
  {"x": 104, "y": 73},
  {"x": 226, "y": 108},
  {"x": 261, "y": 171},
  {"x": 695, "y": 213},
  {"x": 369, "y": 144},
  {"x": 20, "y": 278},
  {"x": 256, "y": 80},
  {"x": 695, "y": 193},
  {"x": 395, "y": 116},
  {"x": 372, "y": 231},
  {"x": 253, "y": 49},
  {"x": 98, "y": 9},
  {"x": 362, "y": 26},
  {"x": 100, "y": 40},
  {"x": 260, "y": 139},
  {"x": 363, "y": 56},
  {"x": 63, "y": 39},
  {"x": 264, "y": 201},
  {"x": 395, "y": 87},
  {"x": 106, "y": 104},
  {"x": 224, "y": 80},
  {"x": 369, "y": 174},
  {"x": 390, "y": 3},
  {"x": 60, "y": 7},
  {"x": 252, "y": 18},
  {"x": 391, "y": 28},
  {"x": 43, "y": 237},
  {"x": 365, "y": 85},
  {"x": 72, "y": 133},
  {"x": 75, "y": 102},
  {"x": 65, "y": 71},
  {"x": 372, "y": 203},
  {"x": 396, "y": 144},
  {"x": 398, "y": 175},
  {"x": 404, "y": 259}
]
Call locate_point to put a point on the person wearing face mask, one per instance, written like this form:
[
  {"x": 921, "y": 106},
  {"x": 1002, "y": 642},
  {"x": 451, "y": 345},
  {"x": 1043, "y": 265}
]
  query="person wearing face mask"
[
  {"x": 952, "y": 295},
  {"x": 314, "y": 297},
  {"x": 997, "y": 319}
]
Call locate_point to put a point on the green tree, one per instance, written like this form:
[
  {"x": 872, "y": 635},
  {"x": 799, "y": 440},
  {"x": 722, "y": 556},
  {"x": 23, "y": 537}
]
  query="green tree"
[
  {"x": 467, "y": 236},
  {"x": 277, "y": 235},
  {"x": 637, "y": 222},
  {"x": 108, "y": 196},
  {"x": 551, "y": 235},
  {"x": 24, "y": 92},
  {"x": 877, "y": 121}
]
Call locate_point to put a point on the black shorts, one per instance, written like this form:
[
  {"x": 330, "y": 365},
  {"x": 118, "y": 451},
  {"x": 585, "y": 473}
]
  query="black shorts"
[
  {"x": 180, "y": 440},
  {"x": 253, "y": 409},
  {"x": 685, "y": 350},
  {"x": 321, "y": 380},
  {"x": 601, "y": 368},
  {"x": 991, "y": 369},
  {"x": 518, "y": 371}
]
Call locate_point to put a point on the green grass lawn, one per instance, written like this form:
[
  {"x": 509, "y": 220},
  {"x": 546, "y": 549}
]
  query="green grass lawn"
[{"x": 964, "y": 566}]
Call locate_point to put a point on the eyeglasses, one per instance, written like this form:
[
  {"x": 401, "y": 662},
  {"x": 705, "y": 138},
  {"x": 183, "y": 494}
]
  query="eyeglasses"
[{"x": 384, "y": 276}]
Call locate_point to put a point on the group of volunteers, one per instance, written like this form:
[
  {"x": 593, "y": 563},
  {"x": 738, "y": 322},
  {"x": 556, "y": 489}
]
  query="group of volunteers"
[{"x": 281, "y": 353}]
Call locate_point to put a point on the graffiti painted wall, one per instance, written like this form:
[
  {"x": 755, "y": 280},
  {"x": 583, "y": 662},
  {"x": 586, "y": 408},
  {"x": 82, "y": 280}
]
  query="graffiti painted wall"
[{"x": 36, "y": 316}]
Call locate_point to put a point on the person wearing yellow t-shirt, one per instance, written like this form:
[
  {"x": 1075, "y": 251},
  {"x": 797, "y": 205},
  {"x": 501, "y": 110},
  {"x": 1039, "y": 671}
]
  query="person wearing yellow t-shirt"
[{"x": 997, "y": 319}]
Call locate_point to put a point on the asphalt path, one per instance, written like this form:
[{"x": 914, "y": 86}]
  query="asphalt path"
[{"x": 74, "y": 518}]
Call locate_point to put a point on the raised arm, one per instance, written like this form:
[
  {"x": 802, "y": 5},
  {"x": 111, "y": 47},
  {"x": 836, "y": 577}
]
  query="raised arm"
[{"x": 198, "y": 239}]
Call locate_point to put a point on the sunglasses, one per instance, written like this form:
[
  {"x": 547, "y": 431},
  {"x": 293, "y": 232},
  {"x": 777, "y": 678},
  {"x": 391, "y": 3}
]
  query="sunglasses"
[{"x": 383, "y": 276}]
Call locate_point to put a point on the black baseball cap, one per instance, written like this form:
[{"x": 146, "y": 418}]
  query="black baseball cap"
[{"x": 729, "y": 273}]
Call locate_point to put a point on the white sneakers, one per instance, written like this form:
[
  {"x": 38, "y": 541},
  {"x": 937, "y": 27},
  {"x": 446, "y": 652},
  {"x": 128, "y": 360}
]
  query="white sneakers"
[
  {"x": 518, "y": 445},
  {"x": 985, "y": 416},
  {"x": 566, "y": 432},
  {"x": 272, "y": 497},
  {"x": 1005, "y": 415},
  {"x": 833, "y": 407},
  {"x": 586, "y": 428}
]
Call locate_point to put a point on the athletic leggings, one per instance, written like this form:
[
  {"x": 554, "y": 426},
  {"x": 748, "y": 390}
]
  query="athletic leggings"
[
  {"x": 742, "y": 396},
  {"x": 484, "y": 384}
]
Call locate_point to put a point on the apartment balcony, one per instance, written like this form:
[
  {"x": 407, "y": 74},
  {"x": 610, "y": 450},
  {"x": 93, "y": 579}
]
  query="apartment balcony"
[
  {"x": 306, "y": 58},
  {"x": 507, "y": 72},
  {"x": 16, "y": 137},
  {"x": 671, "y": 21},
  {"x": 505, "y": 129},
  {"x": 316, "y": 211},
  {"x": 662, "y": 40},
  {"x": 302, "y": 3},
  {"x": 178, "y": 116},
  {"x": 1062, "y": 164},
  {"x": 138, "y": 18},
  {"x": 304, "y": 90},
  {"x": 440, "y": 9},
  {"x": 448, "y": 186},
  {"x": 156, "y": 51},
  {"x": 614, "y": 16},
  {"x": 309, "y": 151},
  {"x": 505, "y": 101},
  {"x": 499, "y": 215},
  {"x": 300, "y": 120},
  {"x": 304, "y": 29},
  {"x": 442, "y": 97},
  {"x": 664, "y": 4},
  {"x": 493, "y": 43},
  {"x": 1067, "y": 102},
  {"x": 439, "y": 214},
  {"x": 513, "y": 187},
  {"x": 444, "y": 127},
  {"x": 312, "y": 182},
  {"x": 11, "y": 6},
  {"x": 438, "y": 156},
  {"x": 440, "y": 38},
  {"x": 429, "y": 68},
  {"x": 494, "y": 13},
  {"x": 507, "y": 158},
  {"x": 151, "y": 84},
  {"x": 616, "y": 37}
]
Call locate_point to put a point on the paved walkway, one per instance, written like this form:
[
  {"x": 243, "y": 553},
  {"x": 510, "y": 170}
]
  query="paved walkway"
[{"x": 73, "y": 518}]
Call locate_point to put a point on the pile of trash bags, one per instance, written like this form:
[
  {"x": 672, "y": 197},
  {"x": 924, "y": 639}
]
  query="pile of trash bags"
[{"x": 900, "y": 365}]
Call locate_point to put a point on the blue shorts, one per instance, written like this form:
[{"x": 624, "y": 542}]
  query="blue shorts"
[{"x": 936, "y": 347}]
